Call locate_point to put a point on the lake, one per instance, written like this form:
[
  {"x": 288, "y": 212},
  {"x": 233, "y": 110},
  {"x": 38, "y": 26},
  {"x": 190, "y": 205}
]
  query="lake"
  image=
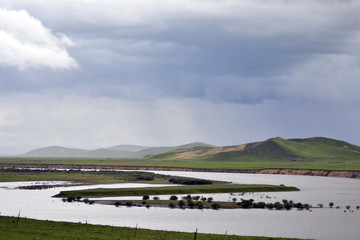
[{"x": 320, "y": 223}]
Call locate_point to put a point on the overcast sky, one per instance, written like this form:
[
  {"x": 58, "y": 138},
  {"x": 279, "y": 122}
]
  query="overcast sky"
[{"x": 88, "y": 74}]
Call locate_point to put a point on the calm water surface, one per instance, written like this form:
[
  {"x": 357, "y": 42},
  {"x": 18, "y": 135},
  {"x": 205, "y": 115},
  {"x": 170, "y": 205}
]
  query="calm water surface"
[{"x": 321, "y": 223}]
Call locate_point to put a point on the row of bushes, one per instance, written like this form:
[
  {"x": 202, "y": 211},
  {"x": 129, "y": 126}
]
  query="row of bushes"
[
  {"x": 192, "y": 204},
  {"x": 189, "y": 197},
  {"x": 277, "y": 205},
  {"x": 189, "y": 181},
  {"x": 78, "y": 199}
]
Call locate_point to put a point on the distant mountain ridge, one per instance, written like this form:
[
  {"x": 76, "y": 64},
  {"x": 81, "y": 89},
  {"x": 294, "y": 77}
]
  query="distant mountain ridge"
[
  {"x": 274, "y": 149},
  {"x": 118, "y": 151}
]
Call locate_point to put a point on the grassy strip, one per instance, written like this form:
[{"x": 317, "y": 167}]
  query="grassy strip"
[
  {"x": 192, "y": 189},
  {"x": 205, "y": 203},
  {"x": 94, "y": 177},
  {"x": 193, "y": 163},
  {"x": 28, "y": 229},
  {"x": 166, "y": 203}
]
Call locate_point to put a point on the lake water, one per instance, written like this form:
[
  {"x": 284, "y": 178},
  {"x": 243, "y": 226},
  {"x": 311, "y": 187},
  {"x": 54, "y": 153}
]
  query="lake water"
[{"x": 320, "y": 223}]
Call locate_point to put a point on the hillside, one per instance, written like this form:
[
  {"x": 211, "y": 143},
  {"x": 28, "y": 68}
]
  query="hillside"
[
  {"x": 119, "y": 151},
  {"x": 55, "y": 151},
  {"x": 274, "y": 149}
]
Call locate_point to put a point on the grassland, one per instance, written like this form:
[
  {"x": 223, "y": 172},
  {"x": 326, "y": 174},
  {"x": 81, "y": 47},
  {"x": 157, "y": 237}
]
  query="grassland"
[
  {"x": 88, "y": 177},
  {"x": 191, "y": 189},
  {"x": 200, "y": 163},
  {"x": 28, "y": 229}
]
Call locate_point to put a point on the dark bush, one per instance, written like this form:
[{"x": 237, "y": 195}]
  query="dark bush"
[
  {"x": 259, "y": 205},
  {"x": 299, "y": 206},
  {"x": 246, "y": 203},
  {"x": 270, "y": 206},
  {"x": 287, "y": 206},
  {"x": 215, "y": 206},
  {"x": 191, "y": 204},
  {"x": 278, "y": 206},
  {"x": 196, "y": 198},
  {"x": 173, "y": 198}
]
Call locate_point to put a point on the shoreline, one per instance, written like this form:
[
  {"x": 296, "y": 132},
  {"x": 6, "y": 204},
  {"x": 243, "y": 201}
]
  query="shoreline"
[{"x": 282, "y": 171}]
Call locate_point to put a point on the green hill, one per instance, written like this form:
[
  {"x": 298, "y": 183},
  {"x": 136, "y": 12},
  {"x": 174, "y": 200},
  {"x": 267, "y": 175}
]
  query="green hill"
[
  {"x": 274, "y": 149},
  {"x": 311, "y": 153}
]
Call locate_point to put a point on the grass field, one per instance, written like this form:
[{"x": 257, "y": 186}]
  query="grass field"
[
  {"x": 88, "y": 177},
  {"x": 28, "y": 229},
  {"x": 191, "y": 163},
  {"x": 190, "y": 189}
]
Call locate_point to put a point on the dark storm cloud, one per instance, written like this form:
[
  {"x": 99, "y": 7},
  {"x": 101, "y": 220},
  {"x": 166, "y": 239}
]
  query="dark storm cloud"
[
  {"x": 220, "y": 51},
  {"x": 168, "y": 72}
]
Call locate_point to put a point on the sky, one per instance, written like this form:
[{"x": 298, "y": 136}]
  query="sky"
[{"x": 90, "y": 74}]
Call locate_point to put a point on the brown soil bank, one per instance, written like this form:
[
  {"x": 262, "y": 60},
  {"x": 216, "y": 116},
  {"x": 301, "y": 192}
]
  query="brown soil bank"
[{"x": 308, "y": 172}]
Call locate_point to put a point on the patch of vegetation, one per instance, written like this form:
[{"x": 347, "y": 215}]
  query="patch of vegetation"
[
  {"x": 172, "y": 190},
  {"x": 28, "y": 229},
  {"x": 195, "y": 202},
  {"x": 189, "y": 181},
  {"x": 11, "y": 174}
]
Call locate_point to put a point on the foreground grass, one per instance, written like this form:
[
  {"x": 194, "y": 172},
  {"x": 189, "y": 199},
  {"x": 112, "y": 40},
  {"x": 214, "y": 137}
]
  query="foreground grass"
[
  {"x": 191, "y": 189},
  {"x": 28, "y": 229}
]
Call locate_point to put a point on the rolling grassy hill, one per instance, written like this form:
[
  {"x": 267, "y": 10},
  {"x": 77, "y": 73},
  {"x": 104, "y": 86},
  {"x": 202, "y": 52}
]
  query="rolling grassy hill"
[
  {"x": 311, "y": 153},
  {"x": 274, "y": 149}
]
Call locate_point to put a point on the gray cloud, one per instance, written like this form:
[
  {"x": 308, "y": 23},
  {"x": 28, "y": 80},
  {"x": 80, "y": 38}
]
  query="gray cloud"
[
  {"x": 26, "y": 43},
  {"x": 245, "y": 51},
  {"x": 264, "y": 65}
]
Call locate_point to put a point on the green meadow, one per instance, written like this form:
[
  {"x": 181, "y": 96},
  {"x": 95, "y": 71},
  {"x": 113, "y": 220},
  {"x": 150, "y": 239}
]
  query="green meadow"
[
  {"x": 202, "y": 163},
  {"x": 27, "y": 229},
  {"x": 188, "y": 189},
  {"x": 87, "y": 177}
]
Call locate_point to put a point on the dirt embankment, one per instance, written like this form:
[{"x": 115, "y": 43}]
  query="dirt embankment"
[{"x": 308, "y": 172}]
